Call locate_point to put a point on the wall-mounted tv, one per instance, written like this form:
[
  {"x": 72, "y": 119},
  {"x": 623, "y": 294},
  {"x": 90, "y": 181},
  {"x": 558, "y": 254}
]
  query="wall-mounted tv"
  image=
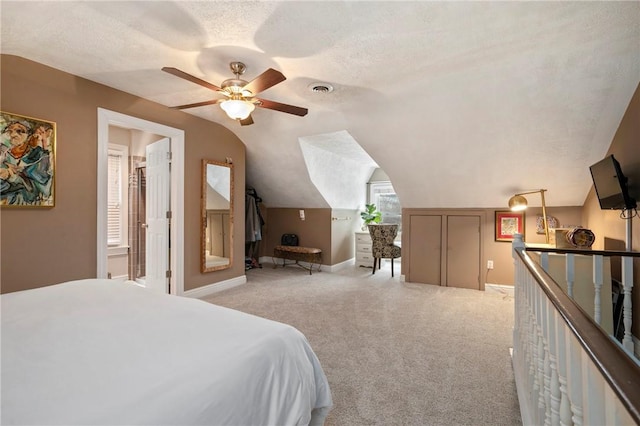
[{"x": 611, "y": 185}]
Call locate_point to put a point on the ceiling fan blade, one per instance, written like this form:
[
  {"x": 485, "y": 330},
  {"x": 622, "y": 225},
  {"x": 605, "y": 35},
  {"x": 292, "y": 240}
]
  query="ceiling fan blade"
[
  {"x": 290, "y": 109},
  {"x": 197, "y": 104},
  {"x": 247, "y": 121},
  {"x": 189, "y": 77},
  {"x": 267, "y": 79}
]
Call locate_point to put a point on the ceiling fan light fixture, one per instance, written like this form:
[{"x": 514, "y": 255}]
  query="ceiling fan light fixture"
[
  {"x": 237, "y": 109},
  {"x": 517, "y": 203},
  {"x": 240, "y": 94},
  {"x": 233, "y": 85}
]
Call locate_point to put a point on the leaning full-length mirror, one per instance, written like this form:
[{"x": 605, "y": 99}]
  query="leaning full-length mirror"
[{"x": 216, "y": 216}]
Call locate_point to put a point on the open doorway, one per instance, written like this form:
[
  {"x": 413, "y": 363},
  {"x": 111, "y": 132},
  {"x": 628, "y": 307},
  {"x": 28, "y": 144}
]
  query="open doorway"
[{"x": 106, "y": 119}]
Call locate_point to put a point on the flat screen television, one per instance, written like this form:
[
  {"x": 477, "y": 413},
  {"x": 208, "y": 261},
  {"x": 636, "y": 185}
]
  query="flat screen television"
[{"x": 611, "y": 185}]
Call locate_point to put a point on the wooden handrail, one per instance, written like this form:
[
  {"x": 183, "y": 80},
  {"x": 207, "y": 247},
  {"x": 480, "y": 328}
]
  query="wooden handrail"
[
  {"x": 606, "y": 253},
  {"x": 619, "y": 370}
]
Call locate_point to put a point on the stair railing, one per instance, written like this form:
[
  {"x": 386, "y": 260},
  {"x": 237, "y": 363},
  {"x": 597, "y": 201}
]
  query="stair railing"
[{"x": 568, "y": 371}]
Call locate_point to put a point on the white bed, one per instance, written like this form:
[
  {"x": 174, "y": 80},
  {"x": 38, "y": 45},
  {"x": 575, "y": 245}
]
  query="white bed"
[{"x": 102, "y": 352}]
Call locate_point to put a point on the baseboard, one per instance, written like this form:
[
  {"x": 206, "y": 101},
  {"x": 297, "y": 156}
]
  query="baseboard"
[
  {"x": 340, "y": 266},
  {"x": 505, "y": 290},
  {"x": 208, "y": 290},
  {"x": 349, "y": 263},
  {"x": 120, "y": 277},
  {"x": 278, "y": 261},
  {"x": 636, "y": 346},
  {"x": 265, "y": 259}
]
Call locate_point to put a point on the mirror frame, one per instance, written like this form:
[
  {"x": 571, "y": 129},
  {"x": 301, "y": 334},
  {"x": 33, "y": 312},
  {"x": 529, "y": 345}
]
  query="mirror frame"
[{"x": 203, "y": 216}]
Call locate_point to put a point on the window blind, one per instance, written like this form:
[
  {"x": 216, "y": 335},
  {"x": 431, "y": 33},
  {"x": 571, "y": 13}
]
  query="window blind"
[{"x": 114, "y": 200}]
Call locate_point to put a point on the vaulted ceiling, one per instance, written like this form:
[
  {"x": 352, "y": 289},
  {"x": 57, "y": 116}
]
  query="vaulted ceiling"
[{"x": 460, "y": 103}]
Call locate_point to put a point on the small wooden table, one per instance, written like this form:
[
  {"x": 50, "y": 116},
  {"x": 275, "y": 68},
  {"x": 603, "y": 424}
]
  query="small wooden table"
[{"x": 305, "y": 254}]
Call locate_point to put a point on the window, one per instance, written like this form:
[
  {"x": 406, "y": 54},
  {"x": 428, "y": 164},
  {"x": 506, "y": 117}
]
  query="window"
[
  {"x": 384, "y": 197},
  {"x": 117, "y": 196}
]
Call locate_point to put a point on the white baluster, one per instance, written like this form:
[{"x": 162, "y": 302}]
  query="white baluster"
[
  {"x": 627, "y": 285},
  {"x": 574, "y": 377},
  {"x": 533, "y": 351},
  {"x": 517, "y": 312},
  {"x": 517, "y": 243},
  {"x": 544, "y": 261},
  {"x": 541, "y": 354},
  {"x": 536, "y": 387},
  {"x": 525, "y": 326},
  {"x": 598, "y": 279},
  {"x": 554, "y": 384},
  {"x": 544, "y": 317},
  {"x": 561, "y": 347},
  {"x": 533, "y": 355},
  {"x": 570, "y": 271}
]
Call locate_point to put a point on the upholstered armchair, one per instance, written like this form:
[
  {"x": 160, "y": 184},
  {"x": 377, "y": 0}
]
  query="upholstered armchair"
[{"x": 382, "y": 245}]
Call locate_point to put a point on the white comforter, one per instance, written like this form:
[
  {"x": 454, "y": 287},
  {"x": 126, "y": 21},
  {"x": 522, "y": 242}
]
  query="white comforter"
[{"x": 102, "y": 352}]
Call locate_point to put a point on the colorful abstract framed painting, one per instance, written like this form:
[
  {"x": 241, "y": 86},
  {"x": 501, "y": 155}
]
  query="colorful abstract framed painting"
[
  {"x": 27, "y": 161},
  {"x": 508, "y": 224}
]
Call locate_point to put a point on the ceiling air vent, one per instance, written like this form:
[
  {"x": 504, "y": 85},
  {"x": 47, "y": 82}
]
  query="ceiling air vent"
[{"x": 321, "y": 87}]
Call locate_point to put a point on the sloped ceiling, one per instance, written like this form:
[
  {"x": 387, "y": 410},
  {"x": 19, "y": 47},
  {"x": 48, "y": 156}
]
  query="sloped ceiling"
[
  {"x": 460, "y": 103},
  {"x": 339, "y": 168}
]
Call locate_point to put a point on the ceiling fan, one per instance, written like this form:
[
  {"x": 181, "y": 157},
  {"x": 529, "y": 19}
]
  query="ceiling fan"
[{"x": 240, "y": 100}]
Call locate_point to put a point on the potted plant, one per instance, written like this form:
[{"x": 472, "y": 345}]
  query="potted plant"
[{"x": 370, "y": 215}]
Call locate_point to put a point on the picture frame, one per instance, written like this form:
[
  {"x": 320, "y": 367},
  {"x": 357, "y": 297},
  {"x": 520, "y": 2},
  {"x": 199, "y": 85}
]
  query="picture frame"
[
  {"x": 508, "y": 224},
  {"x": 27, "y": 161},
  {"x": 552, "y": 222}
]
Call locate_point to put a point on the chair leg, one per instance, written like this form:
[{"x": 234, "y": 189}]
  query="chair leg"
[{"x": 374, "y": 266}]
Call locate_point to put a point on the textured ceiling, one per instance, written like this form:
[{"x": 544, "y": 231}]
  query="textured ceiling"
[{"x": 460, "y": 103}]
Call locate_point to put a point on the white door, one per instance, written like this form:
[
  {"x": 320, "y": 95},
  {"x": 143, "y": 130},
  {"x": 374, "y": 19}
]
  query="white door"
[{"x": 157, "y": 207}]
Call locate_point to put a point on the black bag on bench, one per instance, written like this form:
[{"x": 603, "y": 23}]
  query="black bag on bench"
[{"x": 289, "y": 240}]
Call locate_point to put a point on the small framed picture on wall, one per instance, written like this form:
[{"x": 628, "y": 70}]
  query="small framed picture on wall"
[{"x": 508, "y": 224}]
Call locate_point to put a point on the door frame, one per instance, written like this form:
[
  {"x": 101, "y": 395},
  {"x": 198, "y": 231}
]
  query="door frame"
[{"x": 107, "y": 118}]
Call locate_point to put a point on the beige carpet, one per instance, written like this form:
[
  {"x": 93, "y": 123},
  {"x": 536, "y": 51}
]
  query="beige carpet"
[{"x": 394, "y": 353}]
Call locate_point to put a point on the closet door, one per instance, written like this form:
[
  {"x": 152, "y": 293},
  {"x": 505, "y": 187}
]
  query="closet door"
[
  {"x": 425, "y": 249},
  {"x": 463, "y": 251}
]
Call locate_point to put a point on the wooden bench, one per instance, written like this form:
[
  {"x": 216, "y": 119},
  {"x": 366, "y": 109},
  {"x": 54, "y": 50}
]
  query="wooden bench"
[{"x": 299, "y": 254}]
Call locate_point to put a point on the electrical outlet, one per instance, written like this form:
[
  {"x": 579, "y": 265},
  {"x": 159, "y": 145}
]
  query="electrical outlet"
[{"x": 489, "y": 264}]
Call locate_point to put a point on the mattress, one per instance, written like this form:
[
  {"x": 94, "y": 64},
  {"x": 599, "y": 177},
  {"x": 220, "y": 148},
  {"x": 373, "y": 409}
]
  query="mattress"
[{"x": 101, "y": 352}]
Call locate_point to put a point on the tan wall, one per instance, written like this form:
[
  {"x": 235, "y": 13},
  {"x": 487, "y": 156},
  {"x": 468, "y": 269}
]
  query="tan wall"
[
  {"x": 498, "y": 251},
  {"x": 609, "y": 228},
  {"x": 46, "y": 246},
  {"x": 314, "y": 231},
  {"x": 332, "y": 231}
]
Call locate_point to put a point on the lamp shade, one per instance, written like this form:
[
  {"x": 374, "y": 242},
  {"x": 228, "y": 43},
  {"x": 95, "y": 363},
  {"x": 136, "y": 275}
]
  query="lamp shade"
[
  {"x": 517, "y": 203},
  {"x": 237, "y": 109}
]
